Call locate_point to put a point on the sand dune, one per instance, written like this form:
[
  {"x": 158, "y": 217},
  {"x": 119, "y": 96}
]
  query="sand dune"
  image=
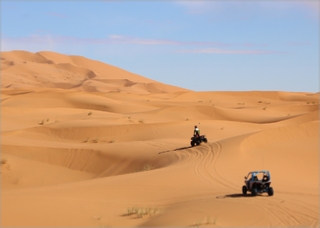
[{"x": 87, "y": 144}]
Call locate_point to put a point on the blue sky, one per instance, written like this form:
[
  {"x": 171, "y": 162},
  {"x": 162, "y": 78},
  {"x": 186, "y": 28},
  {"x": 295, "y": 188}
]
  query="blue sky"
[{"x": 198, "y": 45}]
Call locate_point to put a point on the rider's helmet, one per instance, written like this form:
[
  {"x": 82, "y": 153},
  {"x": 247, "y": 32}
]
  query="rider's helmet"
[{"x": 195, "y": 126}]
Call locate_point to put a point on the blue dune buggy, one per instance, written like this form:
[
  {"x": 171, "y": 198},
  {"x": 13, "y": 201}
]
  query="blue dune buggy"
[{"x": 258, "y": 182}]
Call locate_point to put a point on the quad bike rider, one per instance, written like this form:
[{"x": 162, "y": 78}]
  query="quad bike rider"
[
  {"x": 197, "y": 139},
  {"x": 196, "y": 131}
]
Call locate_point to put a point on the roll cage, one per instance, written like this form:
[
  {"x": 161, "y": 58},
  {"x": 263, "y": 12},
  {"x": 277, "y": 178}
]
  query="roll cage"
[{"x": 259, "y": 175}]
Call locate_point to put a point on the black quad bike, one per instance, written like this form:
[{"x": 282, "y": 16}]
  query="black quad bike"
[{"x": 198, "y": 140}]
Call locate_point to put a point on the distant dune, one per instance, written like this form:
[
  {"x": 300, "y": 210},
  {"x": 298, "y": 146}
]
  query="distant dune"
[
  {"x": 54, "y": 70},
  {"x": 87, "y": 144}
]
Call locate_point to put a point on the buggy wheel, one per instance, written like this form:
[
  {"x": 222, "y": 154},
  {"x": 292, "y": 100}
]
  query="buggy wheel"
[
  {"x": 192, "y": 143},
  {"x": 205, "y": 140},
  {"x": 270, "y": 191},
  {"x": 198, "y": 142},
  {"x": 254, "y": 191},
  {"x": 244, "y": 190}
]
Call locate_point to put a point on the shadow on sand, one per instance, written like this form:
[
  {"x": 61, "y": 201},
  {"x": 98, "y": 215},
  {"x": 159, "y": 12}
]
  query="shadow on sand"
[
  {"x": 181, "y": 148},
  {"x": 238, "y": 195}
]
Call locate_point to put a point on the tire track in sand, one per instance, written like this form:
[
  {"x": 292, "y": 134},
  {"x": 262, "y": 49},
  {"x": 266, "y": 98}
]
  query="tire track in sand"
[
  {"x": 223, "y": 180},
  {"x": 279, "y": 211},
  {"x": 292, "y": 212},
  {"x": 205, "y": 158},
  {"x": 200, "y": 168}
]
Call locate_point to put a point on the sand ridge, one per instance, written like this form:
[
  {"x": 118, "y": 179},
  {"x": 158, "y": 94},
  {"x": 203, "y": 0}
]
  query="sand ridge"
[{"x": 87, "y": 144}]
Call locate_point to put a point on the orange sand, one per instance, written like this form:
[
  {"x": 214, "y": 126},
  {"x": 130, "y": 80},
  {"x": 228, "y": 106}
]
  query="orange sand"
[{"x": 87, "y": 144}]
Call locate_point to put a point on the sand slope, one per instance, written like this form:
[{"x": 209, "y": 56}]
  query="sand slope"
[{"x": 86, "y": 144}]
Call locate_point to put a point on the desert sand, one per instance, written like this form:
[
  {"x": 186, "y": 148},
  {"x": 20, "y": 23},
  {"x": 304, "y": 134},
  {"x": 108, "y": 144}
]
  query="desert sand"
[{"x": 87, "y": 144}]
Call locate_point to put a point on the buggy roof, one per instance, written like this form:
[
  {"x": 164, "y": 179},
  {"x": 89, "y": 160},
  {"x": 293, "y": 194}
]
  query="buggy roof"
[
  {"x": 254, "y": 173},
  {"x": 260, "y": 171}
]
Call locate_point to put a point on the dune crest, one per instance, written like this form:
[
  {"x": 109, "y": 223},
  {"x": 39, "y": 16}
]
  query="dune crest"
[{"x": 86, "y": 144}]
